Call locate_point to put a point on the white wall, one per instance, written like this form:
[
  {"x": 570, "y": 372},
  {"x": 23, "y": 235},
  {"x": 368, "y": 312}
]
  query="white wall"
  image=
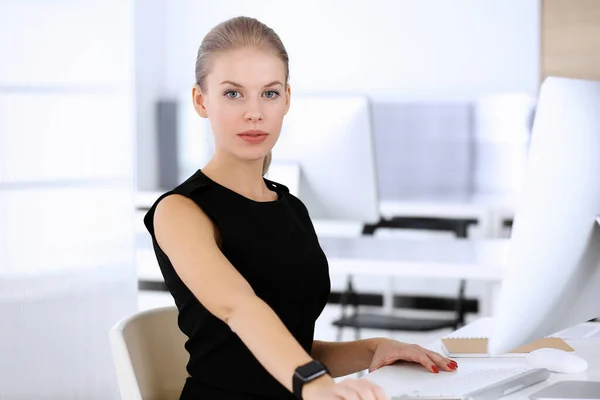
[
  {"x": 66, "y": 194},
  {"x": 415, "y": 49},
  {"x": 150, "y": 64},
  {"x": 429, "y": 50}
]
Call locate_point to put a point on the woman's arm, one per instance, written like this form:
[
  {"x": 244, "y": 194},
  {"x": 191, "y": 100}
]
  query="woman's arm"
[
  {"x": 345, "y": 358},
  {"x": 187, "y": 236}
]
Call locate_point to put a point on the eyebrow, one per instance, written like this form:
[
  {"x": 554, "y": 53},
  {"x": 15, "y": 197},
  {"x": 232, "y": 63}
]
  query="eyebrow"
[{"x": 241, "y": 86}]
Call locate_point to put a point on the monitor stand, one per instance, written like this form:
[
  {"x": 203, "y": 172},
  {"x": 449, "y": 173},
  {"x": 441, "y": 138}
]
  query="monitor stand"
[{"x": 570, "y": 390}]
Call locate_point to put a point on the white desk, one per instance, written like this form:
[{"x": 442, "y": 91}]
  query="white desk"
[
  {"x": 395, "y": 378},
  {"x": 489, "y": 211},
  {"x": 445, "y": 258},
  {"x": 427, "y": 258},
  {"x": 481, "y": 260}
]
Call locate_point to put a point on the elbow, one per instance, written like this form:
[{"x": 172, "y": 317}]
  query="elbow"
[{"x": 240, "y": 308}]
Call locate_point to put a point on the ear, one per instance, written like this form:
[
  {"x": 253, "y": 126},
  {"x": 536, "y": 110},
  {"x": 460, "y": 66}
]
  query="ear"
[
  {"x": 199, "y": 99},
  {"x": 288, "y": 97}
]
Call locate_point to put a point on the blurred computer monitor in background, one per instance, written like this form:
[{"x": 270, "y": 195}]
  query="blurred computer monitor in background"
[
  {"x": 553, "y": 276},
  {"x": 325, "y": 155}
]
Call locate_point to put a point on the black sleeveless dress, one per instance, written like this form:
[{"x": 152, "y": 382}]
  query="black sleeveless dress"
[{"x": 275, "y": 248}]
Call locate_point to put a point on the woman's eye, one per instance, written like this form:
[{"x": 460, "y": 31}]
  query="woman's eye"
[
  {"x": 232, "y": 94},
  {"x": 271, "y": 94}
]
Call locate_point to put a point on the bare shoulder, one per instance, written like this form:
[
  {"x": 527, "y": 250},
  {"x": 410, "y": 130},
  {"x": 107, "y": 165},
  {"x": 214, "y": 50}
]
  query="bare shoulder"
[
  {"x": 177, "y": 215},
  {"x": 189, "y": 239},
  {"x": 176, "y": 203}
]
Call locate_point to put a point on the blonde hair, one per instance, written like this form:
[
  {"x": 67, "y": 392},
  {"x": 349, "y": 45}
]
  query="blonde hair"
[
  {"x": 267, "y": 163},
  {"x": 236, "y": 33}
]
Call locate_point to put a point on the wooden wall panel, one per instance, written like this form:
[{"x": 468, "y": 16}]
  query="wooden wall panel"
[{"x": 571, "y": 39}]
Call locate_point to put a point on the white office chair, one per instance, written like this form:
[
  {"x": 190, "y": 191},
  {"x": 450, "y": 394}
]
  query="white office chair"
[{"x": 149, "y": 355}]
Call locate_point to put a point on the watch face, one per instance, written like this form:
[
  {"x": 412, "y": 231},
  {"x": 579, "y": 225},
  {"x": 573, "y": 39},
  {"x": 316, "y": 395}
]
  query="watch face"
[{"x": 310, "y": 371}]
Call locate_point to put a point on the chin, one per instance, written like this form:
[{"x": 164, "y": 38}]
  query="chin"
[{"x": 253, "y": 156}]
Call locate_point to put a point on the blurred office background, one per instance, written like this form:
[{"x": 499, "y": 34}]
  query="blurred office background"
[{"x": 96, "y": 120}]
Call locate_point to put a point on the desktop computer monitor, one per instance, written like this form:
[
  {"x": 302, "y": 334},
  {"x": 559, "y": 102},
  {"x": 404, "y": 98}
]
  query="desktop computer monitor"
[
  {"x": 553, "y": 264},
  {"x": 325, "y": 155}
]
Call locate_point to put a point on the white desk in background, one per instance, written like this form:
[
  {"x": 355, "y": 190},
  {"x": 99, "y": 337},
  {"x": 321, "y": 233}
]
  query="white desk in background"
[
  {"x": 427, "y": 258},
  {"x": 481, "y": 260},
  {"x": 489, "y": 211},
  {"x": 396, "y": 378}
]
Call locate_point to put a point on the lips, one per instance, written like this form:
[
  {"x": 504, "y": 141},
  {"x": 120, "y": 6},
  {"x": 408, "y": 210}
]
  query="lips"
[
  {"x": 253, "y": 136},
  {"x": 253, "y": 133}
]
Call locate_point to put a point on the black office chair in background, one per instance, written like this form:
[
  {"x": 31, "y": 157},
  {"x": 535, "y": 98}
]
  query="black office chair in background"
[
  {"x": 358, "y": 321},
  {"x": 389, "y": 322}
]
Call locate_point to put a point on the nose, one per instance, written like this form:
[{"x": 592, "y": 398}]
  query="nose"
[{"x": 253, "y": 114}]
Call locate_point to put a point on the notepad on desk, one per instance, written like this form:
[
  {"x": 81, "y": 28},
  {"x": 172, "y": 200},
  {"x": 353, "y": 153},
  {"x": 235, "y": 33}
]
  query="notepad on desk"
[{"x": 477, "y": 347}]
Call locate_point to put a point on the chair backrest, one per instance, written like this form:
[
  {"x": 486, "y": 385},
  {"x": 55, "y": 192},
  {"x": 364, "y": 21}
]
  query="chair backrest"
[{"x": 149, "y": 355}]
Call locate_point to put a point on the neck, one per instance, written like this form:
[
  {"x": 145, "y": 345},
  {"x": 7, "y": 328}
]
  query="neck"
[{"x": 243, "y": 177}]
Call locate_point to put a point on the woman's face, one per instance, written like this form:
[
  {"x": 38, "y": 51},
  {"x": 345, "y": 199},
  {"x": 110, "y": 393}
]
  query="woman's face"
[{"x": 245, "y": 99}]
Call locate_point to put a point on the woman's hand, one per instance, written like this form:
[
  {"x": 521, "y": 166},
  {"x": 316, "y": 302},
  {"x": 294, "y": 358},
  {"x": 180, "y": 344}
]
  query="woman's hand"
[
  {"x": 390, "y": 351},
  {"x": 348, "y": 389}
]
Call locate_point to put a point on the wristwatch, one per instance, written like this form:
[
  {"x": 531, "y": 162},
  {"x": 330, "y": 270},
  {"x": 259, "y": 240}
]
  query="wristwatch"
[{"x": 307, "y": 373}]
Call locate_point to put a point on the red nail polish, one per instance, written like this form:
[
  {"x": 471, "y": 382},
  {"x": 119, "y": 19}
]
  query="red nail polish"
[
  {"x": 451, "y": 366},
  {"x": 435, "y": 370}
]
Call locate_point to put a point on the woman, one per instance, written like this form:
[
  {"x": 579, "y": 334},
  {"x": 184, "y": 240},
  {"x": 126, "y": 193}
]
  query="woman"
[{"x": 239, "y": 253}]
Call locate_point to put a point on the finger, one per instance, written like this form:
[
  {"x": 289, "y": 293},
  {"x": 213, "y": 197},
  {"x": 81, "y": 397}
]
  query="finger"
[
  {"x": 442, "y": 362},
  {"x": 345, "y": 391},
  {"x": 380, "y": 394},
  {"x": 424, "y": 360},
  {"x": 446, "y": 359},
  {"x": 362, "y": 391},
  {"x": 377, "y": 390}
]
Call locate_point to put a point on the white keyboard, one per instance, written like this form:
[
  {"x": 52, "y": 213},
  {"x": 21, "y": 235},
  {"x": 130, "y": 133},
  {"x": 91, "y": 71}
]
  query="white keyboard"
[{"x": 486, "y": 383}]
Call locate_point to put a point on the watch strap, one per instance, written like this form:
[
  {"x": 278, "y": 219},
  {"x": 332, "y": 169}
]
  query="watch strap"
[{"x": 300, "y": 379}]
